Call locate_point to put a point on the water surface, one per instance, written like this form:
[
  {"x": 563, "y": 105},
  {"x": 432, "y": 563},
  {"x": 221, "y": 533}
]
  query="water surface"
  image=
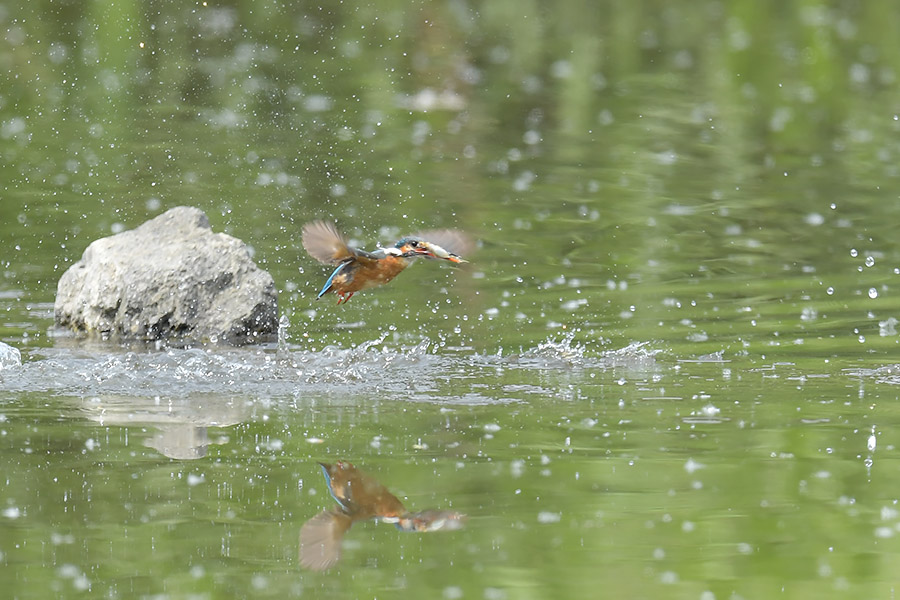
[{"x": 670, "y": 369}]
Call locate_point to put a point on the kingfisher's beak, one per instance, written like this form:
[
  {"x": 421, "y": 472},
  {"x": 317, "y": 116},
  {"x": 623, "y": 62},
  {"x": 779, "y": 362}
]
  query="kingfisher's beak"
[{"x": 423, "y": 250}]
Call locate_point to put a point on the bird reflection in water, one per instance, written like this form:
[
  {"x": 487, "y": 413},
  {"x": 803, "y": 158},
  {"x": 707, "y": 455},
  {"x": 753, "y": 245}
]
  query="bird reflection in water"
[{"x": 361, "y": 497}]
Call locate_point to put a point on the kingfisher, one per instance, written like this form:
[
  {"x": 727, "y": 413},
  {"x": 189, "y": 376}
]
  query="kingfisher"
[
  {"x": 361, "y": 497},
  {"x": 360, "y": 270}
]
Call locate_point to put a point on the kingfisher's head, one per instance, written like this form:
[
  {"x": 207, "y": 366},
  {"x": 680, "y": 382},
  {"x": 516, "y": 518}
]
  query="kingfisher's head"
[{"x": 412, "y": 247}]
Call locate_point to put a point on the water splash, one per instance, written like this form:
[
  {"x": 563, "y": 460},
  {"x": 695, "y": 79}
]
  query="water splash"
[
  {"x": 270, "y": 372},
  {"x": 10, "y": 357},
  {"x": 419, "y": 370},
  {"x": 566, "y": 353},
  {"x": 636, "y": 355},
  {"x": 566, "y": 350}
]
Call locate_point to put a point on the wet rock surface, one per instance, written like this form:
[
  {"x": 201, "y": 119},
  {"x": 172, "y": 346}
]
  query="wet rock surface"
[{"x": 172, "y": 278}]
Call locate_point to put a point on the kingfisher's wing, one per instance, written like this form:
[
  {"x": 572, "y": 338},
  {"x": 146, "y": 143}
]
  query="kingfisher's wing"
[
  {"x": 321, "y": 537},
  {"x": 325, "y": 243},
  {"x": 452, "y": 240}
]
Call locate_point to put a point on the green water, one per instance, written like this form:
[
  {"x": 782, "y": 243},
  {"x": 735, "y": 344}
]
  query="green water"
[{"x": 670, "y": 369}]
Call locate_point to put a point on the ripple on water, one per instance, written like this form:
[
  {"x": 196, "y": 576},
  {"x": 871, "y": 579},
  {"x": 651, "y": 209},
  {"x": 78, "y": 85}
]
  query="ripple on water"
[{"x": 889, "y": 374}]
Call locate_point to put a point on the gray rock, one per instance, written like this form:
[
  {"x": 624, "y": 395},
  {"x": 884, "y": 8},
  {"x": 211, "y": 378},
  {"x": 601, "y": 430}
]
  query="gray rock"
[{"x": 171, "y": 278}]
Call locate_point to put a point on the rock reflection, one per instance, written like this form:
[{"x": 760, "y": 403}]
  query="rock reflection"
[
  {"x": 183, "y": 442},
  {"x": 180, "y": 424},
  {"x": 361, "y": 497}
]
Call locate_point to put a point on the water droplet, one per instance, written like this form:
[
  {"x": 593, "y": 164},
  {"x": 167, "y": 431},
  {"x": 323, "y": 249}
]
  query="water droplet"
[
  {"x": 873, "y": 293},
  {"x": 853, "y": 252},
  {"x": 884, "y": 532},
  {"x": 870, "y": 261},
  {"x": 829, "y": 290},
  {"x": 549, "y": 517},
  {"x": 814, "y": 219},
  {"x": 692, "y": 466},
  {"x": 668, "y": 577}
]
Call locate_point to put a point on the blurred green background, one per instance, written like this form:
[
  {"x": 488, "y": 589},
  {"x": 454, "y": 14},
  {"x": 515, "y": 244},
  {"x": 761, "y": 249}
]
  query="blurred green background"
[{"x": 669, "y": 370}]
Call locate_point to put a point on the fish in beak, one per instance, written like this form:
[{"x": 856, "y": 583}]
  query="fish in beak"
[{"x": 432, "y": 250}]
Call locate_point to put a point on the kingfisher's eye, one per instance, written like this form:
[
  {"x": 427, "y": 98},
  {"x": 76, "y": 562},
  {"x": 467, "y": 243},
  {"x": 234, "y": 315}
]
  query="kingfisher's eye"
[{"x": 414, "y": 244}]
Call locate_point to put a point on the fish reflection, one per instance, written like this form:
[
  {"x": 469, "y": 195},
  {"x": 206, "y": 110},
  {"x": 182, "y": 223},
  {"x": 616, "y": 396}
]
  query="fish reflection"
[{"x": 361, "y": 497}]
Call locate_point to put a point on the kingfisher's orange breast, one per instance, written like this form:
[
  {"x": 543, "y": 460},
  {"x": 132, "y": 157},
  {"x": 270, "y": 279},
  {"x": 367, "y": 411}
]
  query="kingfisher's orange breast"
[{"x": 382, "y": 272}]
